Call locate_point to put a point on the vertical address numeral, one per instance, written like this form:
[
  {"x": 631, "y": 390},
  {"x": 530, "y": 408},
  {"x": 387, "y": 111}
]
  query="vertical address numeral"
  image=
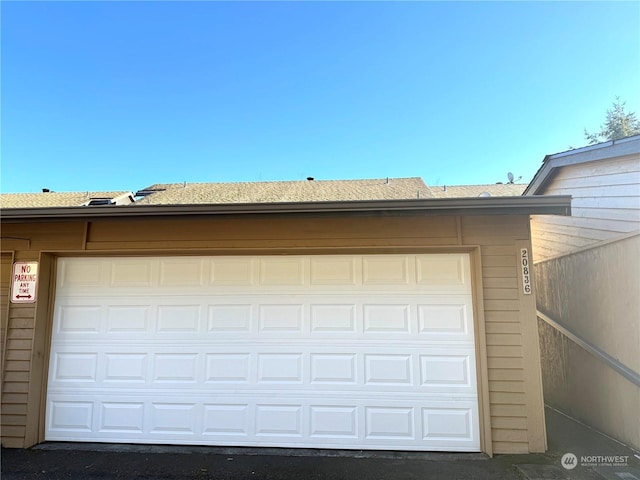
[{"x": 526, "y": 273}]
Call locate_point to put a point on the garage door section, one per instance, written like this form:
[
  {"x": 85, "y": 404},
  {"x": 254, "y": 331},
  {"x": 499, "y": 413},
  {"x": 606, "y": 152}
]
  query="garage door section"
[{"x": 363, "y": 352}]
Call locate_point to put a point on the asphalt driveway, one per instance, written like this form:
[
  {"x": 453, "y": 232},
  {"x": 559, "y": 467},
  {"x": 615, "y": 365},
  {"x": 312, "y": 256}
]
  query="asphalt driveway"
[
  {"x": 248, "y": 464},
  {"x": 138, "y": 462}
]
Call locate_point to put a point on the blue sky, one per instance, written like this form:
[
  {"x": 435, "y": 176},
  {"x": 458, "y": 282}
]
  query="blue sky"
[{"x": 121, "y": 95}]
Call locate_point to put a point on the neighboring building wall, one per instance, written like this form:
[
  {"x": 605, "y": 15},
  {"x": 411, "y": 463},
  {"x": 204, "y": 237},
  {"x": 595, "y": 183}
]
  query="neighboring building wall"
[
  {"x": 508, "y": 351},
  {"x": 594, "y": 294},
  {"x": 605, "y": 205}
]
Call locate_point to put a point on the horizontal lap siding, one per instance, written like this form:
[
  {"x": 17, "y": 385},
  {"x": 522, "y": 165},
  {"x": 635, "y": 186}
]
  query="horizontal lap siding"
[
  {"x": 605, "y": 204},
  {"x": 5, "y": 281},
  {"x": 495, "y": 235},
  {"x": 507, "y": 392},
  {"x": 276, "y": 233},
  {"x": 17, "y": 364},
  {"x": 20, "y": 332}
]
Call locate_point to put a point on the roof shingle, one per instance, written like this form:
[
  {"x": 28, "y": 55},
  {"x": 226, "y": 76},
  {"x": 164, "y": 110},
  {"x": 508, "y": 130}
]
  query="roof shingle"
[
  {"x": 57, "y": 199},
  {"x": 288, "y": 191},
  {"x": 468, "y": 191}
]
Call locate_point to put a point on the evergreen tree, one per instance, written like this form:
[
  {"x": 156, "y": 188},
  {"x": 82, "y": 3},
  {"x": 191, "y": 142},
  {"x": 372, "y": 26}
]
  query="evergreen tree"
[{"x": 619, "y": 124}]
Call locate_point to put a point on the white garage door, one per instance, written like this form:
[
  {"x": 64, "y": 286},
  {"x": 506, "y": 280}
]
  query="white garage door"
[{"x": 348, "y": 351}]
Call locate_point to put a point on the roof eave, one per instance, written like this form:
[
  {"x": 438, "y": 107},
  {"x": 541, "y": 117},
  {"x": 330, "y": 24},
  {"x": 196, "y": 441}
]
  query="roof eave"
[
  {"x": 547, "y": 205},
  {"x": 590, "y": 153}
]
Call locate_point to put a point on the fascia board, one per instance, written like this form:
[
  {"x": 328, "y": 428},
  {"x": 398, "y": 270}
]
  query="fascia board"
[
  {"x": 538, "y": 205},
  {"x": 592, "y": 153}
]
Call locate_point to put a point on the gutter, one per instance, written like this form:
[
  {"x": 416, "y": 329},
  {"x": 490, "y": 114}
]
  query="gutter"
[{"x": 539, "y": 205}]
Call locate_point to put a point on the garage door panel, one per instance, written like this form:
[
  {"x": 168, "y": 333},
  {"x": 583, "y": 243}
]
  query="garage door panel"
[
  {"x": 70, "y": 416},
  {"x": 278, "y": 420},
  {"x": 127, "y": 319},
  {"x": 387, "y": 270},
  {"x": 226, "y": 420},
  {"x": 446, "y": 321},
  {"x": 283, "y": 271},
  {"x": 130, "y": 273},
  {"x": 75, "y": 367},
  {"x": 207, "y": 367},
  {"x": 121, "y": 417},
  {"x": 452, "y": 271},
  {"x": 337, "y": 351},
  {"x": 74, "y": 274},
  {"x": 443, "y": 273},
  {"x": 185, "y": 272},
  {"x": 441, "y": 318},
  {"x": 126, "y": 366},
  {"x": 335, "y": 270}
]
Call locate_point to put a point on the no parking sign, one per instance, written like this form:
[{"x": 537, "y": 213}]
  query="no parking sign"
[{"x": 24, "y": 282}]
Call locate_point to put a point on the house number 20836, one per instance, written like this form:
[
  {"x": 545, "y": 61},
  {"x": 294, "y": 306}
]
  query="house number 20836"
[{"x": 526, "y": 271}]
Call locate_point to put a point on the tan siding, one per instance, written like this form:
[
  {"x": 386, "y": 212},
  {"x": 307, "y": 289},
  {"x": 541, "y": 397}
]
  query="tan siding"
[
  {"x": 18, "y": 355},
  {"x": 500, "y": 316},
  {"x": 499, "y": 272},
  {"x": 502, "y": 327},
  {"x": 507, "y": 388},
  {"x": 508, "y": 398},
  {"x": 502, "y": 305},
  {"x": 509, "y": 435},
  {"x": 14, "y": 399},
  {"x": 17, "y": 376},
  {"x": 500, "y": 410},
  {"x": 511, "y": 447},
  {"x": 5, "y": 285},
  {"x": 605, "y": 204},
  {"x": 501, "y": 293},
  {"x": 504, "y": 351},
  {"x": 13, "y": 434},
  {"x": 512, "y": 423},
  {"x": 280, "y": 231},
  {"x": 8, "y": 378},
  {"x": 496, "y": 237},
  {"x": 515, "y": 374},
  {"x": 503, "y": 339},
  {"x": 43, "y": 236},
  {"x": 14, "y": 409},
  {"x": 505, "y": 362},
  {"x": 498, "y": 282},
  {"x": 17, "y": 366}
]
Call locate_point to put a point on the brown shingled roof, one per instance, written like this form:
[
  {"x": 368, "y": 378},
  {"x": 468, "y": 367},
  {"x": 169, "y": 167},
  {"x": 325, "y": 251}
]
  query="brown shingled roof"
[
  {"x": 288, "y": 191},
  {"x": 266, "y": 192},
  {"x": 55, "y": 199},
  {"x": 468, "y": 191}
]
